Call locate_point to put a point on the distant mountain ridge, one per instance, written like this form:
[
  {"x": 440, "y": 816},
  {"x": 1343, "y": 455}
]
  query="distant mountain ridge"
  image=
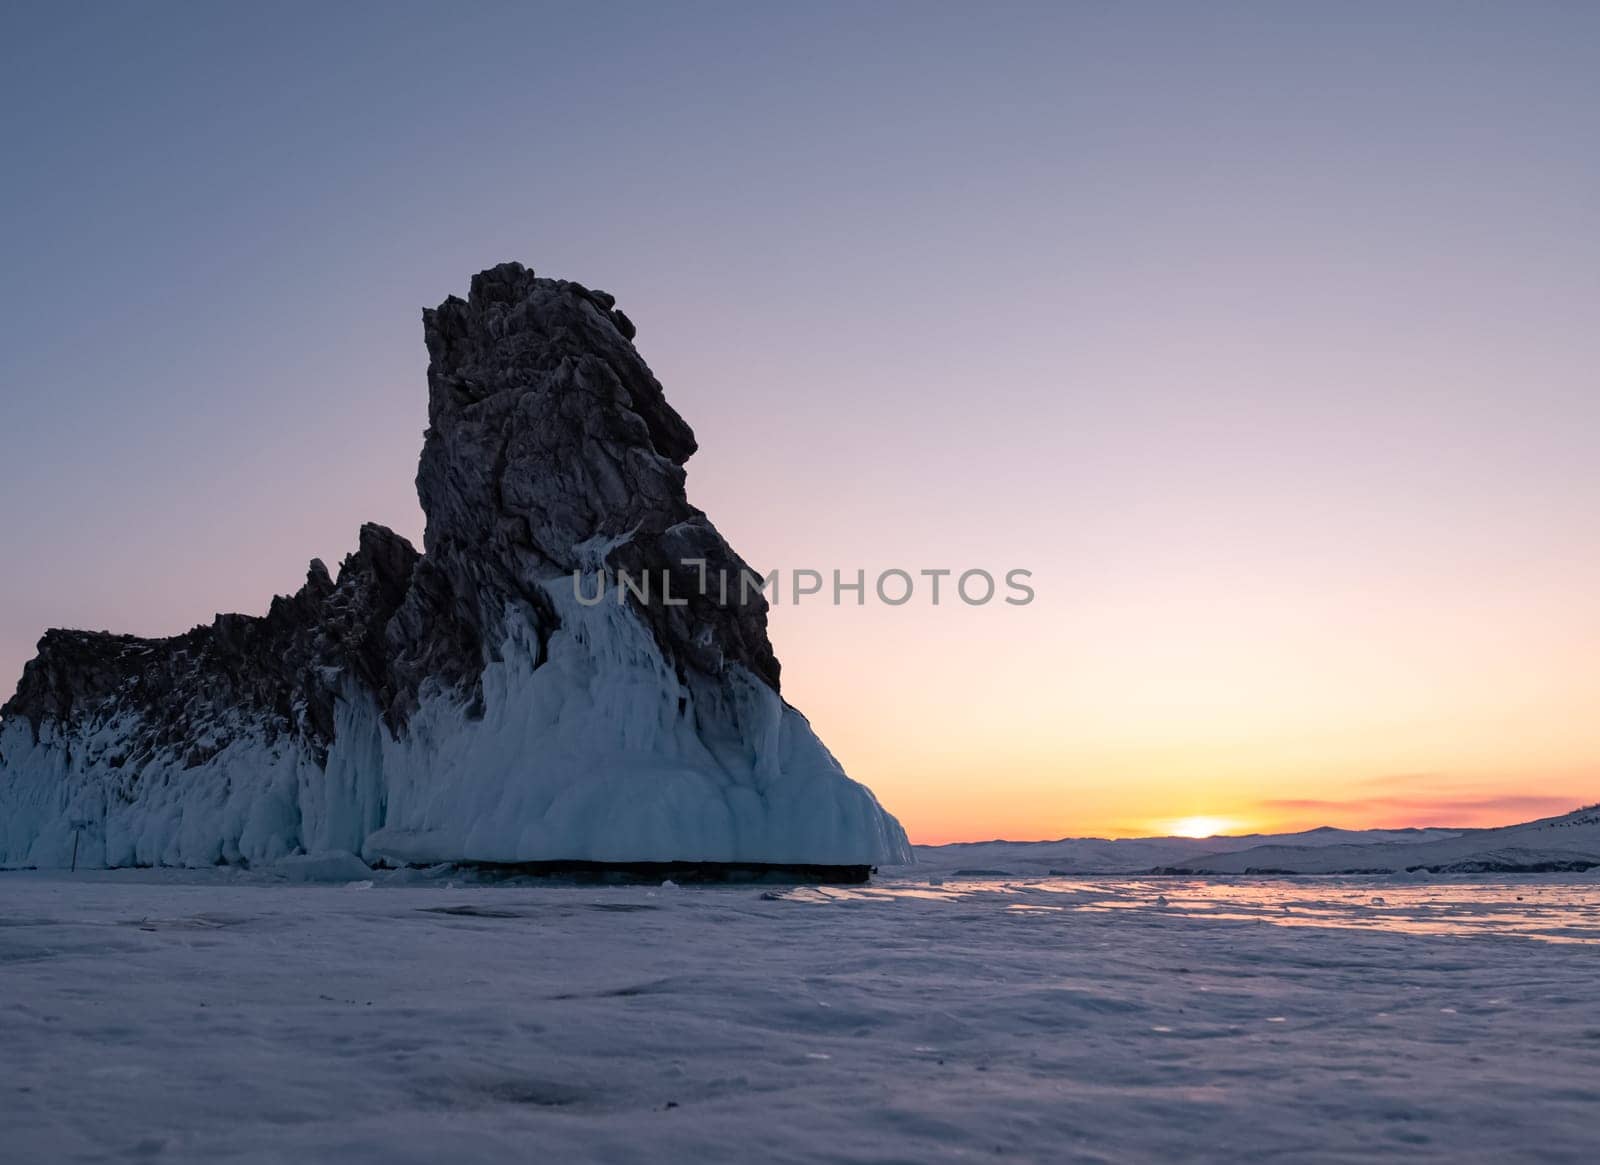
[{"x": 1570, "y": 841}]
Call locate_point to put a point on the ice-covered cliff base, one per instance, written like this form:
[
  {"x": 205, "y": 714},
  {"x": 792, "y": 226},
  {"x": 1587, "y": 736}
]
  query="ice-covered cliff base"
[{"x": 588, "y": 758}]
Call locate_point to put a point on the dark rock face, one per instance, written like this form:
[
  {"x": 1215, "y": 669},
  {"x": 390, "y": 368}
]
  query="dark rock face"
[
  {"x": 546, "y": 430},
  {"x": 275, "y": 674}
]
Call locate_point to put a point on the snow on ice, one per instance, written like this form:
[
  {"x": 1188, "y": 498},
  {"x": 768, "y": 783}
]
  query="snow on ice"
[{"x": 416, "y": 1016}]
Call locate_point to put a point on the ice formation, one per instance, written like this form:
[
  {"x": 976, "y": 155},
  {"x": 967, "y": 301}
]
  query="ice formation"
[{"x": 462, "y": 704}]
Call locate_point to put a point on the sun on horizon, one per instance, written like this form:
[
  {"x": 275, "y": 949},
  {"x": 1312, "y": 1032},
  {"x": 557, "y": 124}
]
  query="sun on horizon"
[{"x": 1202, "y": 827}]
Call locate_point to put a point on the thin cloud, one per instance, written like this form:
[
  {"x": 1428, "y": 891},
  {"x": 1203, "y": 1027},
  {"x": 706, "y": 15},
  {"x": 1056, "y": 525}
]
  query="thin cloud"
[{"x": 1425, "y": 809}]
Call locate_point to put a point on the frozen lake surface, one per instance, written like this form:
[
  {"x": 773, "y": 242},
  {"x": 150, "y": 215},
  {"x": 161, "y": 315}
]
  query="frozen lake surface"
[{"x": 219, "y": 1017}]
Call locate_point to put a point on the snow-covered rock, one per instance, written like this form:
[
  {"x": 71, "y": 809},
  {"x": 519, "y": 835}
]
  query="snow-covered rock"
[
  {"x": 333, "y": 866},
  {"x": 473, "y": 702}
]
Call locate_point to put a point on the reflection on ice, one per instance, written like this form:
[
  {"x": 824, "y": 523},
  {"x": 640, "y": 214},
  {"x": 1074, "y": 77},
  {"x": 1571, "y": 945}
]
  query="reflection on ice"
[{"x": 1557, "y": 909}]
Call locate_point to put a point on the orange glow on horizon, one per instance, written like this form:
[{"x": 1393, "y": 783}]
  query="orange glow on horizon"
[
  {"x": 1272, "y": 700},
  {"x": 1268, "y": 816},
  {"x": 1203, "y": 827}
]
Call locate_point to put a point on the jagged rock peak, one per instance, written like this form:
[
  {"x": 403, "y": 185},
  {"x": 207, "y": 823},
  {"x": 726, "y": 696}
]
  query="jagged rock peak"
[
  {"x": 547, "y": 434},
  {"x": 191, "y": 695}
]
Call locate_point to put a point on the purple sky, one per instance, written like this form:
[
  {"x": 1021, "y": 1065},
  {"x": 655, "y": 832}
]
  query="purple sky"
[{"x": 1263, "y": 334}]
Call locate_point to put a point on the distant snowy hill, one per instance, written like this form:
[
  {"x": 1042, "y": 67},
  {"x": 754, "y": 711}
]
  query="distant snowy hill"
[
  {"x": 1098, "y": 855},
  {"x": 1569, "y": 842}
]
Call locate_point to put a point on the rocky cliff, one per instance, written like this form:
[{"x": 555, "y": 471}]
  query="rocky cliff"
[{"x": 473, "y": 702}]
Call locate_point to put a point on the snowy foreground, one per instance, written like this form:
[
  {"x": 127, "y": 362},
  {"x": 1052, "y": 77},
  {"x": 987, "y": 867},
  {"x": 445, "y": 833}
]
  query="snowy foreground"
[{"x": 220, "y": 1016}]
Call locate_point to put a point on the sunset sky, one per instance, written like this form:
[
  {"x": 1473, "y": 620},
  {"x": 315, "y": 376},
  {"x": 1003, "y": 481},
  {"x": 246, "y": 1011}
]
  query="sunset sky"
[{"x": 1264, "y": 335}]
